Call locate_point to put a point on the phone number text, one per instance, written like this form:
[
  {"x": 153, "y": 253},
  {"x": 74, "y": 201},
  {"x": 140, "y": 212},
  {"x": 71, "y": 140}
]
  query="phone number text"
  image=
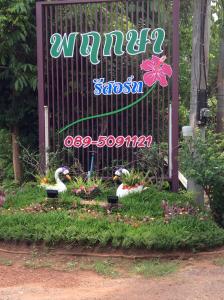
[{"x": 108, "y": 141}]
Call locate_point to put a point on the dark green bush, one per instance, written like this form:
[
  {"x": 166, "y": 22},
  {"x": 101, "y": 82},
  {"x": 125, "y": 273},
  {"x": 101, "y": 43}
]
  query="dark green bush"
[{"x": 202, "y": 159}]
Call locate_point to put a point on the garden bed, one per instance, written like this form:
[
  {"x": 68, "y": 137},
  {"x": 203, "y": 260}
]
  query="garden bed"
[{"x": 138, "y": 224}]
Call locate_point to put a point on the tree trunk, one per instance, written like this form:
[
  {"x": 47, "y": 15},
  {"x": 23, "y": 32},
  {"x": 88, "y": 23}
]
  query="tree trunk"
[
  {"x": 220, "y": 86},
  {"x": 199, "y": 64},
  {"x": 17, "y": 167}
]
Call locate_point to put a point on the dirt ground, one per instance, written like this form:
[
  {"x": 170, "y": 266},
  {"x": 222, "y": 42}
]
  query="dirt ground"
[{"x": 40, "y": 276}]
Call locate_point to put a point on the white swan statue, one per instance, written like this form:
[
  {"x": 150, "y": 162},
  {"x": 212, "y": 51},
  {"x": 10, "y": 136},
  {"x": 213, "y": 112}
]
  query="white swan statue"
[
  {"x": 60, "y": 187},
  {"x": 122, "y": 191}
]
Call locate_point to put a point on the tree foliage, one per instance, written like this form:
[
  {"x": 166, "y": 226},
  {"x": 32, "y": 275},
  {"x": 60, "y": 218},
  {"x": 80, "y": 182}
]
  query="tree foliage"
[{"x": 17, "y": 61}]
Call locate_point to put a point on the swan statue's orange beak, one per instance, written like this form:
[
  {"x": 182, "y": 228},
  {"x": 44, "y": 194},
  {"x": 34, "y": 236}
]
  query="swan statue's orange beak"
[{"x": 68, "y": 177}]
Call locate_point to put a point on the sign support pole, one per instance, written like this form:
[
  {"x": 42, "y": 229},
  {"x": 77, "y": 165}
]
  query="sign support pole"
[
  {"x": 175, "y": 95},
  {"x": 46, "y": 122},
  {"x": 40, "y": 68}
]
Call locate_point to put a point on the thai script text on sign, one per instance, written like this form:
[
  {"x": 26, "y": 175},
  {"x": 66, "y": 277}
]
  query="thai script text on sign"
[{"x": 134, "y": 43}]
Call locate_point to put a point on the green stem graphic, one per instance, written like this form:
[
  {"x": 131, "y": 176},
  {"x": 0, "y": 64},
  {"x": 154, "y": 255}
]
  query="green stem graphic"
[{"x": 111, "y": 112}]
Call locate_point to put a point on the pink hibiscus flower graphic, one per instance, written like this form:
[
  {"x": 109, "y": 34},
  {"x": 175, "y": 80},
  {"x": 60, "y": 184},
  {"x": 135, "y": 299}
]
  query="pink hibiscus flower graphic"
[{"x": 156, "y": 70}]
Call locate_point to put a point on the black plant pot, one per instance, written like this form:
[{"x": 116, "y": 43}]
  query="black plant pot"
[
  {"x": 52, "y": 193},
  {"x": 112, "y": 199}
]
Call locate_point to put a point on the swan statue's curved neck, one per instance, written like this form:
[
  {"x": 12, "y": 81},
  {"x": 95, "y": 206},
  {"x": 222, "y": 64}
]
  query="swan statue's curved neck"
[{"x": 56, "y": 176}]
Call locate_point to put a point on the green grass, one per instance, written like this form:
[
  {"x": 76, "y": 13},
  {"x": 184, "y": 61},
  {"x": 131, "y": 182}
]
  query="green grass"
[
  {"x": 24, "y": 196},
  {"x": 36, "y": 264},
  {"x": 71, "y": 265},
  {"x": 105, "y": 268},
  {"x": 5, "y": 262},
  {"x": 219, "y": 261},
  {"x": 99, "y": 229},
  {"x": 155, "y": 268},
  {"x": 148, "y": 203},
  {"x": 55, "y": 227}
]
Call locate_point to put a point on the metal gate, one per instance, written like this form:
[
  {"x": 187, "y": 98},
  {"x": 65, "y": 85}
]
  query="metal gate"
[{"x": 65, "y": 84}]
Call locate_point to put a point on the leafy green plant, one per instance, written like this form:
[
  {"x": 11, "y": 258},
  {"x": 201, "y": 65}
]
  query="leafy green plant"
[
  {"x": 80, "y": 182},
  {"x": 202, "y": 159},
  {"x": 47, "y": 179},
  {"x": 133, "y": 179},
  {"x": 87, "y": 188}
]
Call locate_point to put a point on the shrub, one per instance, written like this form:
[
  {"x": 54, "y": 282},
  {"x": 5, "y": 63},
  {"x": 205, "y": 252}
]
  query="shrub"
[
  {"x": 133, "y": 179},
  {"x": 88, "y": 189},
  {"x": 203, "y": 160}
]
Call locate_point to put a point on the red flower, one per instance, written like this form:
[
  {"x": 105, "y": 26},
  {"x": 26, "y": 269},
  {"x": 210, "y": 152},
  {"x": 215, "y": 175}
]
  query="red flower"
[{"x": 156, "y": 70}]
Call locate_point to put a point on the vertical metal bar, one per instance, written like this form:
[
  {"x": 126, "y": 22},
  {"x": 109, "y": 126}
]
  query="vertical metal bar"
[
  {"x": 147, "y": 101},
  {"x": 107, "y": 98},
  {"x": 57, "y": 78},
  {"x": 101, "y": 75},
  {"x": 169, "y": 93},
  {"x": 122, "y": 80},
  {"x": 82, "y": 10},
  {"x": 40, "y": 67},
  {"x": 92, "y": 101},
  {"x": 72, "y": 102},
  {"x": 175, "y": 94},
  {"x": 76, "y": 131},
  {"x": 127, "y": 70},
  {"x": 67, "y": 87},
  {"x": 162, "y": 116},
  {"x": 62, "y": 76},
  {"x": 112, "y": 76},
  {"x": 143, "y": 111},
  {"x": 47, "y": 145},
  {"x": 153, "y": 26},
  {"x": 158, "y": 87},
  {"x": 136, "y": 74},
  {"x": 97, "y": 109},
  {"x": 52, "y": 100},
  {"x": 116, "y": 97},
  {"x": 87, "y": 156},
  {"x": 47, "y": 56},
  {"x": 132, "y": 97},
  {"x": 170, "y": 140}
]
